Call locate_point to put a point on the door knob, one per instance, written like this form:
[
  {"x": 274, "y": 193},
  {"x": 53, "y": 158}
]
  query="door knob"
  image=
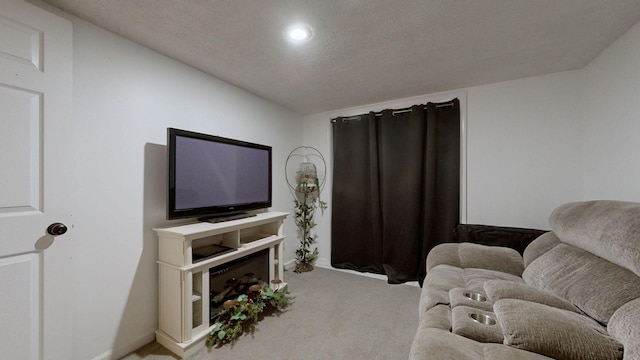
[{"x": 56, "y": 229}]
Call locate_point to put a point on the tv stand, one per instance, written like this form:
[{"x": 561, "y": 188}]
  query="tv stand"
[
  {"x": 184, "y": 281},
  {"x": 223, "y": 218}
]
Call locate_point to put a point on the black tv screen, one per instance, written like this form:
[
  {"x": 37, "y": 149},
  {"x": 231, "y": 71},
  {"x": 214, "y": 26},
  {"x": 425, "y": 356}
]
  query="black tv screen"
[{"x": 213, "y": 176}]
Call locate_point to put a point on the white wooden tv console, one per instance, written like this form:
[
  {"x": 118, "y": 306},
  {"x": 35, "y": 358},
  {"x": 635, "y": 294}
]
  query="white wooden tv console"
[{"x": 184, "y": 304}]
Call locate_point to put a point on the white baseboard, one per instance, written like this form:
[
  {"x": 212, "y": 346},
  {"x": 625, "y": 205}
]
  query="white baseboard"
[
  {"x": 365, "y": 274},
  {"x": 323, "y": 263},
  {"x": 120, "y": 352},
  {"x": 290, "y": 265},
  {"x": 320, "y": 262}
]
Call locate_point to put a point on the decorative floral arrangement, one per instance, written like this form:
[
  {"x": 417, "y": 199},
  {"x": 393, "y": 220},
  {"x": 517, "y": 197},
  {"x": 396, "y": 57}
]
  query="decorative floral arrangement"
[
  {"x": 244, "y": 311},
  {"x": 305, "y": 188}
]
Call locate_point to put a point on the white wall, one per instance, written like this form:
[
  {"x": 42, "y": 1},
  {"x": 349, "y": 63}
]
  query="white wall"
[
  {"x": 612, "y": 131},
  {"x": 524, "y": 149},
  {"x": 125, "y": 96}
]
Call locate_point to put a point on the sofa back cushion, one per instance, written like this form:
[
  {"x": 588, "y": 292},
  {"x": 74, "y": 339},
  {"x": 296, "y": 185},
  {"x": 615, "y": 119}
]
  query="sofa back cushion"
[
  {"x": 556, "y": 333},
  {"x": 596, "y": 286},
  {"x": 608, "y": 229},
  {"x": 539, "y": 246}
]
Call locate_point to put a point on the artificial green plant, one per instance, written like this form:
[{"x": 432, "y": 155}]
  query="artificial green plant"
[
  {"x": 242, "y": 313},
  {"x": 306, "y": 202}
]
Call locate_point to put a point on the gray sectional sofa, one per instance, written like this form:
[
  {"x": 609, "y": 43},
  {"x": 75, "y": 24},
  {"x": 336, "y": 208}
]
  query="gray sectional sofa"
[{"x": 573, "y": 294}]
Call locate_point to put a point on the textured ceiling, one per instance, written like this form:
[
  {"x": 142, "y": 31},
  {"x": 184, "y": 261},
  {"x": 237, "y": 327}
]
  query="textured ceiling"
[{"x": 366, "y": 51}]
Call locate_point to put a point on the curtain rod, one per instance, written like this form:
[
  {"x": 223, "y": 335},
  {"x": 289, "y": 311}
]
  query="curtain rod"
[{"x": 399, "y": 111}]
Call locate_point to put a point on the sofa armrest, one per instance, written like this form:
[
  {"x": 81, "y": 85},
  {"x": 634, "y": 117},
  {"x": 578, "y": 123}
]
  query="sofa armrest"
[{"x": 468, "y": 255}]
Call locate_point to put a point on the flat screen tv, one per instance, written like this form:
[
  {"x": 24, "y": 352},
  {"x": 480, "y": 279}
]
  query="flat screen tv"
[{"x": 215, "y": 178}]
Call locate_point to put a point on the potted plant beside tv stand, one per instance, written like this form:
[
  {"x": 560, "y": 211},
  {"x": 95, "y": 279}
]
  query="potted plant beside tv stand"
[{"x": 184, "y": 304}]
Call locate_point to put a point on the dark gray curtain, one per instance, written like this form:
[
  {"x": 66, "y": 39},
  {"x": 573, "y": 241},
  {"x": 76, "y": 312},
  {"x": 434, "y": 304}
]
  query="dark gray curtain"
[{"x": 396, "y": 181}]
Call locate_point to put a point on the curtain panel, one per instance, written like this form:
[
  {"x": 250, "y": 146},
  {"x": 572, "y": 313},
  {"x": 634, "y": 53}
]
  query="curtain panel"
[{"x": 396, "y": 188}]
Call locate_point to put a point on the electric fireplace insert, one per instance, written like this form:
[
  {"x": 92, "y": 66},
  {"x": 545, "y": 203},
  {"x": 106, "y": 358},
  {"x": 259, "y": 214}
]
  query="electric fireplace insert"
[{"x": 230, "y": 280}]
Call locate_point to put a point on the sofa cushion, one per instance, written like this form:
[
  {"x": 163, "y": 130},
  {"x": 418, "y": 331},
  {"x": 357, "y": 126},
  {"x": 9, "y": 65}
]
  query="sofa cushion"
[
  {"x": 596, "y": 286},
  {"x": 468, "y": 255},
  {"x": 501, "y": 289},
  {"x": 608, "y": 229},
  {"x": 474, "y": 279},
  {"x": 624, "y": 326},
  {"x": 556, "y": 333}
]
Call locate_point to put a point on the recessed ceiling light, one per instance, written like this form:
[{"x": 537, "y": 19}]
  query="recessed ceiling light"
[{"x": 298, "y": 33}]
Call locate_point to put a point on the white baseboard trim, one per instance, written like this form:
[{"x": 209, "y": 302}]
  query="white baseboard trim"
[
  {"x": 365, "y": 274},
  {"x": 120, "y": 352},
  {"x": 322, "y": 263},
  {"x": 290, "y": 265}
]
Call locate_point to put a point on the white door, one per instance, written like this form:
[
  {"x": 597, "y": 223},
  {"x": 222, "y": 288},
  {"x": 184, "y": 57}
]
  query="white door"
[{"x": 35, "y": 183}]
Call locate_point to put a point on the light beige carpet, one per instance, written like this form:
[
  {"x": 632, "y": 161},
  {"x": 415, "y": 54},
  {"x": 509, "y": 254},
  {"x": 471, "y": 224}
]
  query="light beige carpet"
[{"x": 335, "y": 315}]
